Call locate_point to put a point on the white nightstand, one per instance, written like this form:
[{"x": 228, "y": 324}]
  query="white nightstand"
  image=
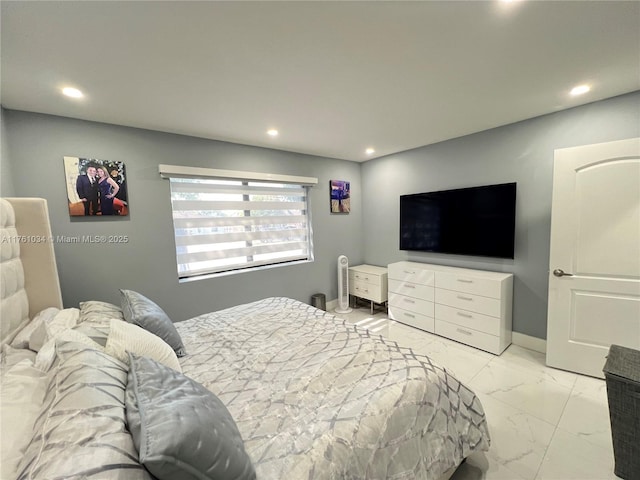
[{"x": 368, "y": 282}]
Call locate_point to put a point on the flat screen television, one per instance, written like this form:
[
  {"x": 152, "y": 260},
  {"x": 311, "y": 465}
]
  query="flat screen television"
[{"x": 478, "y": 221}]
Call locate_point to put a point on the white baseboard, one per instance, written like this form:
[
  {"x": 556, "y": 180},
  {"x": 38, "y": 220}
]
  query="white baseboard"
[
  {"x": 532, "y": 343},
  {"x": 331, "y": 305}
]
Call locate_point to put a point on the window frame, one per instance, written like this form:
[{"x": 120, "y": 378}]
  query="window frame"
[{"x": 248, "y": 181}]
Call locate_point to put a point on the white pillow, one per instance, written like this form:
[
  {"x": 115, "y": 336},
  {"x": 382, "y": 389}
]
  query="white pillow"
[
  {"x": 47, "y": 354},
  {"x": 48, "y": 330},
  {"x": 126, "y": 337},
  {"x": 21, "y": 397},
  {"x": 21, "y": 340},
  {"x": 11, "y": 356}
]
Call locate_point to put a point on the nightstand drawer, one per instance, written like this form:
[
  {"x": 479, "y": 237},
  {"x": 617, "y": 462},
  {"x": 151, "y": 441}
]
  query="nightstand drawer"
[
  {"x": 411, "y": 289},
  {"x": 411, "y": 274},
  {"x": 483, "y": 341},
  {"x": 423, "y": 322},
  {"x": 367, "y": 290},
  {"x": 465, "y": 318},
  {"x": 364, "y": 277},
  {"x": 417, "y": 305},
  {"x": 469, "y": 284},
  {"x": 467, "y": 301}
]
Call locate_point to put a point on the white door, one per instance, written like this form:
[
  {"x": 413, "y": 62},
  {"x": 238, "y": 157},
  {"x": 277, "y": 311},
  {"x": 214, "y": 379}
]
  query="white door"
[{"x": 594, "y": 264}]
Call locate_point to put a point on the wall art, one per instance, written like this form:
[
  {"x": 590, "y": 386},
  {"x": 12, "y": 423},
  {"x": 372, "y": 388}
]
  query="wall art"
[
  {"x": 340, "y": 196},
  {"x": 95, "y": 188}
]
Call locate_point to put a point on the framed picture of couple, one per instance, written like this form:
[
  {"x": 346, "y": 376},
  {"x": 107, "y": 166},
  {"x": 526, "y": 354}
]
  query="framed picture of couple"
[{"x": 95, "y": 188}]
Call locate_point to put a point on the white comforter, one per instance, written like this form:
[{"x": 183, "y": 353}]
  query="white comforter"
[{"x": 314, "y": 397}]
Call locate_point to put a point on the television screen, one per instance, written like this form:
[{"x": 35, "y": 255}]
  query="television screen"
[{"x": 477, "y": 221}]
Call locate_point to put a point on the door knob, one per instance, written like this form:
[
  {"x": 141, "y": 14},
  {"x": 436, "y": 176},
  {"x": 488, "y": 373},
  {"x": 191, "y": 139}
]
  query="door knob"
[{"x": 560, "y": 273}]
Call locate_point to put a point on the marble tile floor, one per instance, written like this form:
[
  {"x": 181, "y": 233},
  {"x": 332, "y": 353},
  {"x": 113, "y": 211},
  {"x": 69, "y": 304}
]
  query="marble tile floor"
[{"x": 545, "y": 424}]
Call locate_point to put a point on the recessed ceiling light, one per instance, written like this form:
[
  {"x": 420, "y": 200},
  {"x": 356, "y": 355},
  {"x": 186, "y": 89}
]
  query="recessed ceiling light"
[
  {"x": 72, "y": 92},
  {"x": 272, "y": 133},
  {"x": 579, "y": 90},
  {"x": 370, "y": 151}
]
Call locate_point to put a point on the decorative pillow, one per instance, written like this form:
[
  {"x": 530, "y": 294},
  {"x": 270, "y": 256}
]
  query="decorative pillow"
[
  {"x": 180, "y": 428},
  {"x": 21, "y": 397},
  {"x": 21, "y": 340},
  {"x": 98, "y": 332},
  {"x": 11, "y": 356},
  {"x": 81, "y": 431},
  {"x": 141, "y": 311},
  {"x": 47, "y": 330},
  {"x": 99, "y": 312},
  {"x": 126, "y": 337},
  {"x": 47, "y": 354}
]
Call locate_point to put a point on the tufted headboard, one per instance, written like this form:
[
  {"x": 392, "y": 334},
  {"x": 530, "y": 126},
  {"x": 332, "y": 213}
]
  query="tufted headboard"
[{"x": 28, "y": 273}]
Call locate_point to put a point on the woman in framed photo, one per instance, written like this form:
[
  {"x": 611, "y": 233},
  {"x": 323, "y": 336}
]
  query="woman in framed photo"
[{"x": 108, "y": 189}]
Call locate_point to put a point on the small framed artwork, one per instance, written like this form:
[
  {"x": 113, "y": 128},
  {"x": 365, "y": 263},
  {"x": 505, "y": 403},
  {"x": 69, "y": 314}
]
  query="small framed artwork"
[
  {"x": 340, "y": 196},
  {"x": 95, "y": 188}
]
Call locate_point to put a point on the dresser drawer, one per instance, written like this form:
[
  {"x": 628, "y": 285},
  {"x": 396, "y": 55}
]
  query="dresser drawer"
[
  {"x": 398, "y": 271},
  {"x": 467, "y": 301},
  {"x": 367, "y": 290},
  {"x": 483, "y": 341},
  {"x": 465, "y": 318},
  {"x": 411, "y": 289},
  {"x": 355, "y": 276},
  {"x": 460, "y": 282},
  {"x": 466, "y": 305},
  {"x": 416, "y": 305},
  {"x": 413, "y": 319}
]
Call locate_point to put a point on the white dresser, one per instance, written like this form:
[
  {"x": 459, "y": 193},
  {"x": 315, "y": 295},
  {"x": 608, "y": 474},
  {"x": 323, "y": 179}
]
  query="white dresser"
[
  {"x": 469, "y": 306},
  {"x": 368, "y": 282}
]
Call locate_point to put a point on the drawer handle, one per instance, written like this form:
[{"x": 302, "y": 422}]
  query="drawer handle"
[
  {"x": 407, "y": 300},
  {"x": 469, "y": 299},
  {"x": 366, "y": 278},
  {"x": 409, "y": 315},
  {"x": 465, "y": 315},
  {"x": 464, "y": 280},
  {"x": 408, "y": 286},
  {"x": 409, "y": 272},
  {"x": 463, "y": 331}
]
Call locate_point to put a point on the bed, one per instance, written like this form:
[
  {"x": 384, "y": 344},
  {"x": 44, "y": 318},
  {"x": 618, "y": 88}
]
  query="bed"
[{"x": 273, "y": 389}]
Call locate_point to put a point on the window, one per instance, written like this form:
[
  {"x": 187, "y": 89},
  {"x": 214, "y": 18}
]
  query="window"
[{"x": 224, "y": 225}]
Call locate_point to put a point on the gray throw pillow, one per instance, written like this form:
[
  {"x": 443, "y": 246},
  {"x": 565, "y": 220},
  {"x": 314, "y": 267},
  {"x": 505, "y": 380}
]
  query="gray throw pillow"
[
  {"x": 141, "y": 311},
  {"x": 81, "y": 429},
  {"x": 182, "y": 430}
]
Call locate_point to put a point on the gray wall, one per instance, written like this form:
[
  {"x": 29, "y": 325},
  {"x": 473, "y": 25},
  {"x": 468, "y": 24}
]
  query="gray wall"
[
  {"x": 35, "y": 145},
  {"x": 521, "y": 152},
  {"x": 6, "y": 178}
]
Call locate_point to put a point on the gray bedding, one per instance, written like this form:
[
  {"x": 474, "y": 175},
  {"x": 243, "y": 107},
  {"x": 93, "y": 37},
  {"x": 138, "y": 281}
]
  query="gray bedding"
[{"x": 314, "y": 397}]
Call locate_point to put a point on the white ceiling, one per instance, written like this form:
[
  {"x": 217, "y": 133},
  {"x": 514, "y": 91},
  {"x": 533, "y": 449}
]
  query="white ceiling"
[{"x": 333, "y": 77}]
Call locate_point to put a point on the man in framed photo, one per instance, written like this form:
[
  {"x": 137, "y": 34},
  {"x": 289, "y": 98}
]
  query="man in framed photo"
[{"x": 87, "y": 188}]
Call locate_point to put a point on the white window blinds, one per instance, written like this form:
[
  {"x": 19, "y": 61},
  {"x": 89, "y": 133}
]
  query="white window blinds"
[{"x": 223, "y": 225}]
